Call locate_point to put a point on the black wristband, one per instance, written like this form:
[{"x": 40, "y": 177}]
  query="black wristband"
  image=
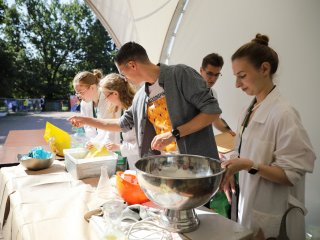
[
  {"x": 176, "y": 133},
  {"x": 254, "y": 169}
]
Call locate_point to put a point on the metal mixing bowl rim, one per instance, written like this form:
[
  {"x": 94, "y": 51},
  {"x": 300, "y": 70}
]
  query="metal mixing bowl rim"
[
  {"x": 20, "y": 155},
  {"x": 222, "y": 170},
  {"x": 25, "y": 161}
]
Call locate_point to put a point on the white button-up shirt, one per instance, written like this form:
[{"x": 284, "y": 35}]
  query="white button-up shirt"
[{"x": 275, "y": 136}]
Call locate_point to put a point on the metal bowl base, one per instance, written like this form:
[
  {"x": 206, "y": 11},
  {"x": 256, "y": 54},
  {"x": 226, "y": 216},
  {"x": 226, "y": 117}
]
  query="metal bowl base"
[{"x": 181, "y": 221}]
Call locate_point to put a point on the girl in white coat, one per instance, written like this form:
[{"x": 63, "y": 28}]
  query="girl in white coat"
[
  {"x": 86, "y": 85},
  {"x": 274, "y": 150},
  {"x": 120, "y": 94}
]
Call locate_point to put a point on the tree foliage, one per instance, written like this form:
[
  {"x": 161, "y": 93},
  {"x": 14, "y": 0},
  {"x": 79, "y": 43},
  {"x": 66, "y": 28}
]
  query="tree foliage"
[{"x": 45, "y": 43}]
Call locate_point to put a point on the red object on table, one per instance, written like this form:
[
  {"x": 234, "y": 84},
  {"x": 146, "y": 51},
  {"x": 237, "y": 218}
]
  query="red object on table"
[{"x": 129, "y": 189}]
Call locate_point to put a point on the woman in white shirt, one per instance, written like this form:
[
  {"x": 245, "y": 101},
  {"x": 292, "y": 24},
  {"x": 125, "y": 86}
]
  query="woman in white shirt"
[
  {"x": 86, "y": 85},
  {"x": 120, "y": 94},
  {"x": 274, "y": 149}
]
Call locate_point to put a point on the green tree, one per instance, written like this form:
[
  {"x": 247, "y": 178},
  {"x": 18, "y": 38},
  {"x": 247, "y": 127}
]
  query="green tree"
[
  {"x": 6, "y": 57},
  {"x": 51, "y": 42},
  {"x": 96, "y": 46}
]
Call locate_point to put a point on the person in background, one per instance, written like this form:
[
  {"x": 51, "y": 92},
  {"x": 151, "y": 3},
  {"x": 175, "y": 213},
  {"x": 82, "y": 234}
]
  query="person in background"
[
  {"x": 210, "y": 71},
  {"x": 42, "y": 103},
  {"x": 173, "y": 111},
  {"x": 14, "y": 105},
  {"x": 120, "y": 94},
  {"x": 26, "y": 105},
  {"x": 38, "y": 104},
  {"x": 93, "y": 104},
  {"x": 274, "y": 150},
  {"x": 9, "y": 105}
]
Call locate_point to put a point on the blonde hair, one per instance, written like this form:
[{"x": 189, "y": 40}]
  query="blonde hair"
[
  {"x": 114, "y": 82},
  {"x": 88, "y": 78}
]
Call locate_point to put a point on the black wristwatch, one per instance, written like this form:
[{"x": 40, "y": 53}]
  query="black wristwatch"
[
  {"x": 254, "y": 169},
  {"x": 176, "y": 133}
]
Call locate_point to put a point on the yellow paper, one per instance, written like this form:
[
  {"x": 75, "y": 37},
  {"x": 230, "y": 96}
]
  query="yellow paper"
[
  {"x": 97, "y": 152},
  {"x": 57, "y": 138}
]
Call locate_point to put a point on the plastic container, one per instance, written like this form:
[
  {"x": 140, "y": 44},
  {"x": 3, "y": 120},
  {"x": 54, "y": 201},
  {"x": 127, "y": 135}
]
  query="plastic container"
[
  {"x": 129, "y": 188},
  {"x": 80, "y": 167},
  {"x": 78, "y": 138},
  {"x": 122, "y": 163}
]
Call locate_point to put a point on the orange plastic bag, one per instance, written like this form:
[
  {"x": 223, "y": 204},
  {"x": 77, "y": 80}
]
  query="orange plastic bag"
[
  {"x": 129, "y": 188},
  {"x": 57, "y": 138}
]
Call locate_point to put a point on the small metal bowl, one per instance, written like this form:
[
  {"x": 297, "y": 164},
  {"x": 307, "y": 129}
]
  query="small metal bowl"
[{"x": 35, "y": 164}]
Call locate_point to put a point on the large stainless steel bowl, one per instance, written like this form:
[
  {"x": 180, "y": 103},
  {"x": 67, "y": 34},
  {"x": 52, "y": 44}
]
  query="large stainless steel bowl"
[
  {"x": 35, "y": 164},
  {"x": 178, "y": 184}
]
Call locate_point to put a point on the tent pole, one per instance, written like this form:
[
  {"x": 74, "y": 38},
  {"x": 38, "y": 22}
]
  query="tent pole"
[{"x": 172, "y": 31}]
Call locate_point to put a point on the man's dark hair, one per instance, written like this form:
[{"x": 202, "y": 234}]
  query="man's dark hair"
[
  {"x": 131, "y": 51},
  {"x": 213, "y": 59}
]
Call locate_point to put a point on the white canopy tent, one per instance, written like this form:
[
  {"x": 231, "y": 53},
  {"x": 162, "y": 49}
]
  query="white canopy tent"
[
  {"x": 145, "y": 22},
  {"x": 206, "y": 26}
]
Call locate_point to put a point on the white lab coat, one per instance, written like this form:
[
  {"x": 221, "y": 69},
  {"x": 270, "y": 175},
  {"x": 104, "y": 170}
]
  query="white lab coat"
[
  {"x": 129, "y": 148},
  {"x": 275, "y": 136},
  {"x": 98, "y": 135}
]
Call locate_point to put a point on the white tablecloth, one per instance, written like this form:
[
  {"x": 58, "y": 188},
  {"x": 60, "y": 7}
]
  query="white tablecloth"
[
  {"x": 46, "y": 204},
  {"x": 50, "y": 204}
]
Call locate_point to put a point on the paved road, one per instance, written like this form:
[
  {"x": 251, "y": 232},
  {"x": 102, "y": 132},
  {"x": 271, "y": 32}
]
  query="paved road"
[{"x": 33, "y": 121}]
